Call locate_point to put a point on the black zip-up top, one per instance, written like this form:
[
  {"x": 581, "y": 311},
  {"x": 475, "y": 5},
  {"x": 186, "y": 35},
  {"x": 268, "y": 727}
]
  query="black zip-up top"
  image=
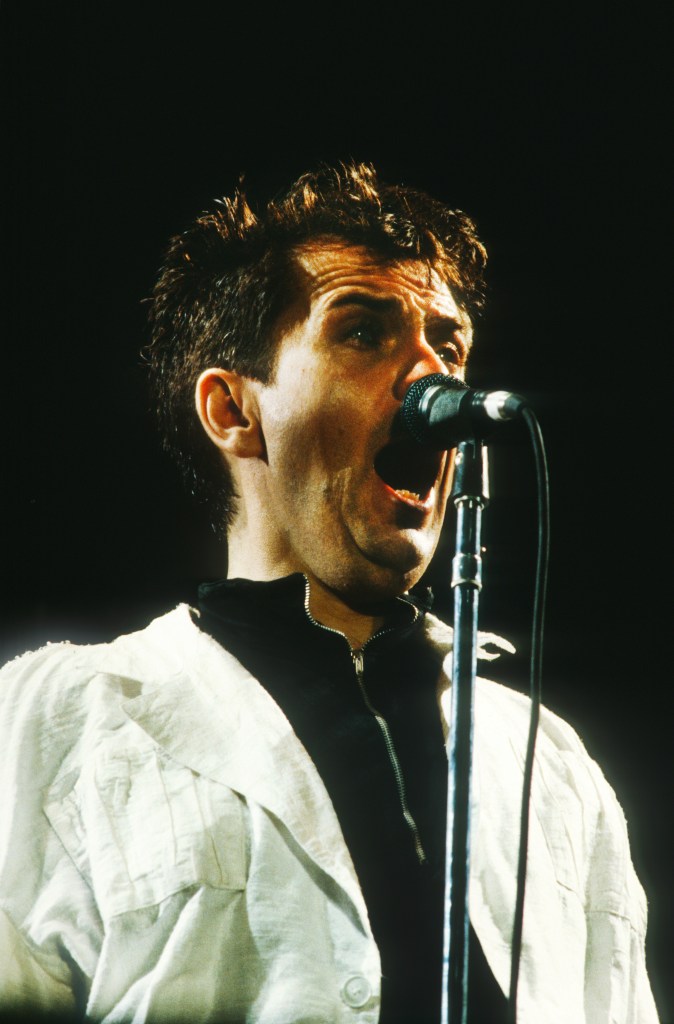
[{"x": 369, "y": 721}]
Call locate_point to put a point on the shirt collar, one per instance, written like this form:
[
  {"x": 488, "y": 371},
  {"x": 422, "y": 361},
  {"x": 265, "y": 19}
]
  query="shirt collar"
[{"x": 280, "y": 604}]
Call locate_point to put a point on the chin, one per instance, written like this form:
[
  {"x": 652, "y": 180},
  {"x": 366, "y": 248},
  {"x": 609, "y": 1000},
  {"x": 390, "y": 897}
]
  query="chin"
[
  {"x": 406, "y": 554},
  {"x": 369, "y": 567},
  {"x": 384, "y": 574}
]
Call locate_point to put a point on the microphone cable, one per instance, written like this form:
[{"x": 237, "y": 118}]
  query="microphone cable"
[{"x": 535, "y": 674}]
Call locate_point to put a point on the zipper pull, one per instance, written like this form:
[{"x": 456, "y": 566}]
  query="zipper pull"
[{"x": 358, "y": 659}]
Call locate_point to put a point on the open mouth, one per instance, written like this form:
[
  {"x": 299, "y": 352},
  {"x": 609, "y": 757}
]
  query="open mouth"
[{"x": 409, "y": 470}]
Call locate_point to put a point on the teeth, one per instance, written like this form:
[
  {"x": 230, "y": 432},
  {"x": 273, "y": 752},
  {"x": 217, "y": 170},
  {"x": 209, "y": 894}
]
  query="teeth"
[{"x": 408, "y": 494}]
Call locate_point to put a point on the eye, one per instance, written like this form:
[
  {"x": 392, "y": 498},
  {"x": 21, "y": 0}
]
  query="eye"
[
  {"x": 451, "y": 355},
  {"x": 365, "y": 334}
]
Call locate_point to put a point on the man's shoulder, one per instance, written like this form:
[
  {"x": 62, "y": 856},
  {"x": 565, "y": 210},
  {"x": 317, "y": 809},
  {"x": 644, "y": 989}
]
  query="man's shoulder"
[
  {"x": 64, "y": 700},
  {"x": 441, "y": 635},
  {"x": 503, "y": 713},
  {"x": 50, "y": 696},
  {"x": 63, "y": 664}
]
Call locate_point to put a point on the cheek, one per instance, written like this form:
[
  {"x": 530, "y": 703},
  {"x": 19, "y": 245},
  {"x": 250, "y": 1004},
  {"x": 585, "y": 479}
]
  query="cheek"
[{"x": 314, "y": 444}]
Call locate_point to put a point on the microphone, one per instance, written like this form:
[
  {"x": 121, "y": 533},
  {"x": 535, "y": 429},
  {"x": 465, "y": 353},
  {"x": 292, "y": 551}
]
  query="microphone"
[{"x": 440, "y": 410}]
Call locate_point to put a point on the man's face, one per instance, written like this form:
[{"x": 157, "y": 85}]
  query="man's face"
[{"x": 342, "y": 504}]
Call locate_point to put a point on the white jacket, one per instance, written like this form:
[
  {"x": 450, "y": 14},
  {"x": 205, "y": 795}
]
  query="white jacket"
[{"x": 168, "y": 849}]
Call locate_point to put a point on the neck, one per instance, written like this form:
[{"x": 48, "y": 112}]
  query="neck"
[
  {"x": 331, "y": 610},
  {"x": 325, "y": 605}
]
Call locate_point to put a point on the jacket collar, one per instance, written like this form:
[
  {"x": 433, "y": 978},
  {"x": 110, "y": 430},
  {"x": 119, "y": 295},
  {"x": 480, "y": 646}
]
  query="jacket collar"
[{"x": 212, "y": 716}]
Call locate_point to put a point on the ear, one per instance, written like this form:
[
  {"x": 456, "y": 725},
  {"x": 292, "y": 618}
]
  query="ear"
[{"x": 226, "y": 404}]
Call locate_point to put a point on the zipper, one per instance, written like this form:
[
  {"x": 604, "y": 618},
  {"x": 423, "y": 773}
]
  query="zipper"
[
  {"x": 359, "y": 665},
  {"x": 358, "y": 659}
]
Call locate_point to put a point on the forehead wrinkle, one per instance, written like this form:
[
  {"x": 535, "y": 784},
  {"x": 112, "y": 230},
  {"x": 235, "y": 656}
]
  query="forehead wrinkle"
[
  {"x": 321, "y": 264},
  {"x": 355, "y": 259}
]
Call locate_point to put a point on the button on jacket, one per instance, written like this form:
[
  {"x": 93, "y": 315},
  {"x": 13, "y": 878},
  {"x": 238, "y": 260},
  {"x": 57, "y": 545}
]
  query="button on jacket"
[{"x": 168, "y": 851}]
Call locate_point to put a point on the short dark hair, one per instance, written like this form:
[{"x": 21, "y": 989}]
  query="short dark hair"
[{"x": 227, "y": 279}]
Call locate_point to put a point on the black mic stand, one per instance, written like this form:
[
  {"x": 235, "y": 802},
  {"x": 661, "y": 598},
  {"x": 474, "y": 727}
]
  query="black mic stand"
[{"x": 470, "y": 493}]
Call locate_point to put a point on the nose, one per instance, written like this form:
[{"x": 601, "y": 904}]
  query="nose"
[{"x": 420, "y": 360}]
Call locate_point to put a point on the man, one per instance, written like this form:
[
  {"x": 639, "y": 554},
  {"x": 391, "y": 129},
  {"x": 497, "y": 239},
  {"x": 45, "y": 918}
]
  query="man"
[{"x": 238, "y": 813}]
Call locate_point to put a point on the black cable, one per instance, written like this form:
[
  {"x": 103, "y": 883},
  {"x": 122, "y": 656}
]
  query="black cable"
[{"x": 535, "y": 673}]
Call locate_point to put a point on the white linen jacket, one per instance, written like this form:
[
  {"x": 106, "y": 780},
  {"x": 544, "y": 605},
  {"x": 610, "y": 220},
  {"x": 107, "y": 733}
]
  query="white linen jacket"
[{"x": 169, "y": 852}]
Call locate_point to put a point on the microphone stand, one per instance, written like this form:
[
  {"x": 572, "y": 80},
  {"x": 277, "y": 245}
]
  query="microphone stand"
[{"x": 470, "y": 493}]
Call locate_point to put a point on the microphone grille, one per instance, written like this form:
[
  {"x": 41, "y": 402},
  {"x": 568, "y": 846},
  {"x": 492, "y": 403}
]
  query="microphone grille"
[{"x": 412, "y": 418}]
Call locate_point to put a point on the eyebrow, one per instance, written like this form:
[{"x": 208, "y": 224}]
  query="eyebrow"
[
  {"x": 380, "y": 305},
  {"x": 371, "y": 302}
]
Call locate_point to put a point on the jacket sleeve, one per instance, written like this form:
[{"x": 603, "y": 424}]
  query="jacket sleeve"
[
  {"x": 616, "y": 984},
  {"x": 37, "y": 970},
  {"x": 31, "y": 979},
  {"x": 616, "y": 920},
  {"x": 585, "y": 909}
]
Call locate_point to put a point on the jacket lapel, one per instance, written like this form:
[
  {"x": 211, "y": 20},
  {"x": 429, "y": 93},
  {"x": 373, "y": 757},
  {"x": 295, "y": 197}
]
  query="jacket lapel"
[{"x": 211, "y": 715}]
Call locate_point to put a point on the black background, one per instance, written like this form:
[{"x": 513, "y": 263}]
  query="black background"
[{"x": 122, "y": 122}]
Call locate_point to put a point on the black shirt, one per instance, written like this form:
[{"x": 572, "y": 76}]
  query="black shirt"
[{"x": 376, "y": 739}]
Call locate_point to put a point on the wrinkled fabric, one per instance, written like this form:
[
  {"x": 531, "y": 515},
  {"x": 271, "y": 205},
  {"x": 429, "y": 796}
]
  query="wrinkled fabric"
[{"x": 168, "y": 851}]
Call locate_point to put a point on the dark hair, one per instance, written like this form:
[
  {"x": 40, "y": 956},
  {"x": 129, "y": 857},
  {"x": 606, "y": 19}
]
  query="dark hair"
[{"x": 226, "y": 280}]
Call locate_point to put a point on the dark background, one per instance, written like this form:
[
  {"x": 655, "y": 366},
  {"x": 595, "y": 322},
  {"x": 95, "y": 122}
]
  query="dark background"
[{"x": 122, "y": 122}]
